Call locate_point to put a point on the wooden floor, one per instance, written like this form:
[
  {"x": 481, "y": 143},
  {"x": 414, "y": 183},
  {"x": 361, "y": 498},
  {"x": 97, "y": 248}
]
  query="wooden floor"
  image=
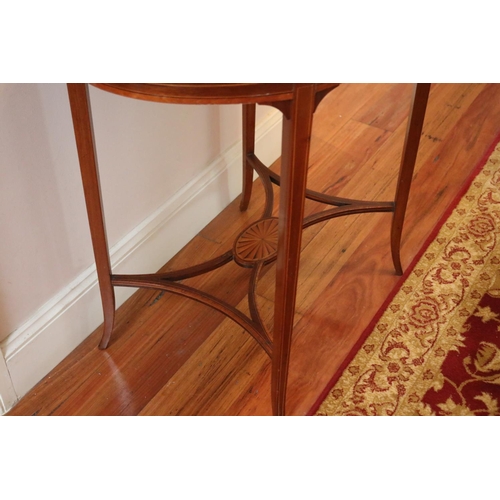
[{"x": 170, "y": 356}]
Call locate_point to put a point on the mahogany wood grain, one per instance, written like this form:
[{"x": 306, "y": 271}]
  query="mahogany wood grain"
[
  {"x": 408, "y": 158},
  {"x": 210, "y": 93},
  {"x": 248, "y": 113},
  {"x": 297, "y": 119},
  {"x": 171, "y": 356},
  {"x": 294, "y": 162},
  {"x": 84, "y": 135}
]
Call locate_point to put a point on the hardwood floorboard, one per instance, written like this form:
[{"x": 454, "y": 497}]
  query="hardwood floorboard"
[{"x": 170, "y": 356}]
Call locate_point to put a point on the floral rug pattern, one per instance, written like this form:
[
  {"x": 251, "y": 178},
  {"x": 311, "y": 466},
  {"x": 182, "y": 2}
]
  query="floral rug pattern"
[{"x": 436, "y": 348}]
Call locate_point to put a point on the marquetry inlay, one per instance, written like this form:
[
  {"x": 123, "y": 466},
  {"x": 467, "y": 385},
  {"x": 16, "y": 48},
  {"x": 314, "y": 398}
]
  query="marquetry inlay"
[{"x": 257, "y": 243}]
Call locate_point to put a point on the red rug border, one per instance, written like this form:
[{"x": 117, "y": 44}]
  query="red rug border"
[{"x": 366, "y": 332}]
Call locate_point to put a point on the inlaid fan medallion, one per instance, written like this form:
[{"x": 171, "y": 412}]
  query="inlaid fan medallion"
[{"x": 257, "y": 243}]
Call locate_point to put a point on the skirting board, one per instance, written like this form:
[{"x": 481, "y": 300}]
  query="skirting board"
[
  {"x": 8, "y": 396},
  {"x": 34, "y": 349}
]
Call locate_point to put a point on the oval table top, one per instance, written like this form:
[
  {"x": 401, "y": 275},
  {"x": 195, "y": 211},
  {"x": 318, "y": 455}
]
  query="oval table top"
[{"x": 209, "y": 93}]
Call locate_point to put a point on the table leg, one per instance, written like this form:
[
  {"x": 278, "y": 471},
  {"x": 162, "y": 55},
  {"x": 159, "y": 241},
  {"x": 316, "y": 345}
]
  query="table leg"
[
  {"x": 82, "y": 122},
  {"x": 294, "y": 162},
  {"x": 410, "y": 149},
  {"x": 248, "y": 149}
]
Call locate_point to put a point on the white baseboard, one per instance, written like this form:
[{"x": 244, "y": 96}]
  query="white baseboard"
[
  {"x": 8, "y": 396},
  {"x": 68, "y": 318}
]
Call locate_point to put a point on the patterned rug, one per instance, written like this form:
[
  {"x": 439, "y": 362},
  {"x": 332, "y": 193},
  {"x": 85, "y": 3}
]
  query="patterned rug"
[{"x": 434, "y": 348}]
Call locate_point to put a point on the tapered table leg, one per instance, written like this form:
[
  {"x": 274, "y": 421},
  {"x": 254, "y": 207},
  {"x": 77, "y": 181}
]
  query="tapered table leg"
[
  {"x": 248, "y": 149},
  {"x": 82, "y": 122},
  {"x": 294, "y": 162},
  {"x": 410, "y": 149}
]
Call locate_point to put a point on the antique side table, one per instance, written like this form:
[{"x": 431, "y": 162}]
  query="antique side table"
[{"x": 271, "y": 238}]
